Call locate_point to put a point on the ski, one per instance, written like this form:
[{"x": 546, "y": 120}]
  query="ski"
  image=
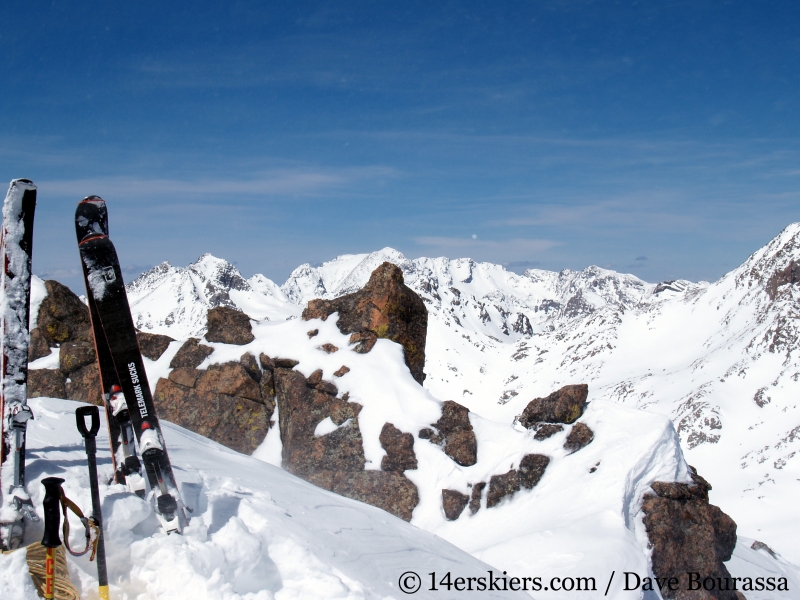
[
  {"x": 16, "y": 244},
  {"x": 91, "y": 217},
  {"x": 105, "y": 286}
]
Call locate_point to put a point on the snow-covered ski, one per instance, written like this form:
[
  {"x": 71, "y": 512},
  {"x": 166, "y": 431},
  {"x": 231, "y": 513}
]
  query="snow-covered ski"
[
  {"x": 91, "y": 216},
  {"x": 16, "y": 244},
  {"x": 105, "y": 287}
]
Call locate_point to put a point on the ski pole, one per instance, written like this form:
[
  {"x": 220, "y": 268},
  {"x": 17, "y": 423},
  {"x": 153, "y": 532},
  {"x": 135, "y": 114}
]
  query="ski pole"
[
  {"x": 51, "y": 539},
  {"x": 91, "y": 451}
]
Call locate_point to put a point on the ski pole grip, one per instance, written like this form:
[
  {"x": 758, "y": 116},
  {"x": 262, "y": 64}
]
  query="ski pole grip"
[
  {"x": 52, "y": 514},
  {"x": 80, "y": 416}
]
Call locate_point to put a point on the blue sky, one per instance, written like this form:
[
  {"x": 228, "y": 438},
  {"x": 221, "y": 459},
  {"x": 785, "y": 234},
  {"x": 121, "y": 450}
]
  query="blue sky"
[{"x": 657, "y": 138}]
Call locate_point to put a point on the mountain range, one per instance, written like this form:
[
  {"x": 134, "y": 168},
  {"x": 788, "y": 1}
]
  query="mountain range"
[{"x": 719, "y": 359}]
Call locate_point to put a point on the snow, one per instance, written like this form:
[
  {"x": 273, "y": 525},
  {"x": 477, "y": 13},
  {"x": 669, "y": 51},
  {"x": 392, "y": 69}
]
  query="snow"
[{"x": 257, "y": 532}]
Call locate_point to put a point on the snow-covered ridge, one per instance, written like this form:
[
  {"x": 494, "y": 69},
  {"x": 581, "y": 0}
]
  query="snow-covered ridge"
[{"x": 719, "y": 359}]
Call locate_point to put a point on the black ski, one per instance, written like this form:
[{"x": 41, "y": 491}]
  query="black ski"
[
  {"x": 16, "y": 244},
  {"x": 105, "y": 286},
  {"x": 91, "y": 217}
]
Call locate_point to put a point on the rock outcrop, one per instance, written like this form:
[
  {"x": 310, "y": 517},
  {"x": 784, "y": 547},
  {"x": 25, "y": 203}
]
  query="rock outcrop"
[
  {"x": 689, "y": 535},
  {"x": 333, "y": 458},
  {"x": 153, "y": 345},
  {"x": 62, "y": 317},
  {"x": 229, "y": 326},
  {"x": 384, "y": 308},
  {"x": 225, "y": 403},
  {"x": 191, "y": 354},
  {"x": 579, "y": 437},
  {"x": 564, "y": 406},
  {"x": 453, "y": 503},
  {"x": 454, "y": 433}
]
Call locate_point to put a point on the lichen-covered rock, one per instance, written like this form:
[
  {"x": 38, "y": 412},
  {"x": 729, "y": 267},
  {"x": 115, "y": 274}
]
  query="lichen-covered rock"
[
  {"x": 191, "y": 354},
  {"x": 39, "y": 345},
  {"x": 688, "y": 535},
  {"x": 229, "y": 326},
  {"x": 84, "y": 385},
  {"x": 385, "y": 308},
  {"x": 399, "y": 448},
  {"x": 198, "y": 401},
  {"x": 455, "y": 429},
  {"x": 153, "y": 345},
  {"x": 531, "y": 469},
  {"x": 475, "y": 498},
  {"x": 563, "y": 406},
  {"x": 580, "y": 437},
  {"x": 248, "y": 361},
  {"x": 74, "y": 355},
  {"x": 48, "y": 383},
  {"x": 453, "y": 503},
  {"x": 502, "y": 486},
  {"x": 62, "y": 316}
]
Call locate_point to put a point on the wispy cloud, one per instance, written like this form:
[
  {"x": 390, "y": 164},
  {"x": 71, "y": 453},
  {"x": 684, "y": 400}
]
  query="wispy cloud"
[{"x": 277, "y": 182}]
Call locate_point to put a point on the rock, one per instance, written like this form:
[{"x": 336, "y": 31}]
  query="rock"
[
  {"x": 459, "y": 439},
  {"x": 475, "y": 499},
  {"x": 185, "y": 376},
  {"x": 234, "y": 421},
  {"x": 502, "y": 486},
  {"x": 191, "y": 354},
  {"x": 546, "y": 430},
  {"x": 688, "y": 535},
  {"x": 39, "y": 346},
  {"x": 62, "y": 316},
  {"x": 336, "y": 461},
  {"x": 48, "y": 383},
  {"x": 578, "y": 438},
  {"x": 756, "y": 545},
  {"x": 74, "y": 355},
  {"x": 531, "y": 469},
  {"x": 230, "y": 379},
  {"x": 84, "y": 385},
  {"x": 329, "y": 348},
  {"x": 314, "y": 378},
  {"x": 312, "y": 333},
  {"x": 153, "y": 345},
  {"x": 341, "y": 371},
  {"x": 285, "y": 363},
  {"x": 266, "y": 362},
  {"x": 399, "y": 448},
  {"x": 564, "y": 406},
  {"x": 248, "y": 361},
  {"x": 267, "y": 386},
  {"x": 386, "y": 308},
  {"x": 453, "y": 503},
  {"x": 363, "y": 341},
  {"x": 229, "y": 326},
  {"x": 301, "y": 408},
  {"x": 391, "y": 491}
]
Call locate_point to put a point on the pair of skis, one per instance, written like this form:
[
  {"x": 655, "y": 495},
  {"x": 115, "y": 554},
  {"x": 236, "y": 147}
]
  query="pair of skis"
[{"x": 126, "y": 391}]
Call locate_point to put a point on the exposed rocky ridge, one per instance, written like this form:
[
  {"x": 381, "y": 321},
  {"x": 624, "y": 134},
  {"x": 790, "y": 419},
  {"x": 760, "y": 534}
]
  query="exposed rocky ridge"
[
  {"x": 384, "y": 308},
  {"x": 689, "y": 535}
]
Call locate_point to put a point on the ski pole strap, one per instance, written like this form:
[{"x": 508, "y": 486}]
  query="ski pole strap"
[{"x": 90, "y": 525}]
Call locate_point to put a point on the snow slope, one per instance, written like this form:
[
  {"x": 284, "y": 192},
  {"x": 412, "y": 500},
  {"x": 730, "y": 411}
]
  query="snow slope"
[{"x": 256, "y": 531}]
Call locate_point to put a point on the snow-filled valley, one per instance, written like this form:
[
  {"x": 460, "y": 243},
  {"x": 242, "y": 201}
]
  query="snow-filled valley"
[{"x": 679, "y": 373}]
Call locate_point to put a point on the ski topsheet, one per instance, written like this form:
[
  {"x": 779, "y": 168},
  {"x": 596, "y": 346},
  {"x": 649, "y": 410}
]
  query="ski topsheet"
[
  {"x": 16, "y": 244},
  {"x": 91, "y": 217},
  {"x": 105, "y": 286}
]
